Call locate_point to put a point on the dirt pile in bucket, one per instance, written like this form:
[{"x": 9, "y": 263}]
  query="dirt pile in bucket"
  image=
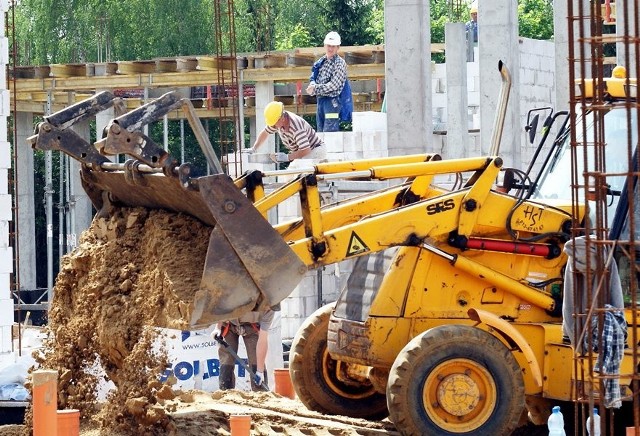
[{"x": 132, "y": 271}]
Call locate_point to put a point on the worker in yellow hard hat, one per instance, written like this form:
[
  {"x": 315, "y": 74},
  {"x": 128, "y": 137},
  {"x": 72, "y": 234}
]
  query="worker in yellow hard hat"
[
  {"x": 472, "y": 25},
  {"x": 295, "y": 132}
]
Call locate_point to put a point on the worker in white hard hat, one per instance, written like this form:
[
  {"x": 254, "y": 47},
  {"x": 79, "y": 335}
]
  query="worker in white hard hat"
[
  {"x": 330, "y": 85},
  {"x": 295, "y": 132}
]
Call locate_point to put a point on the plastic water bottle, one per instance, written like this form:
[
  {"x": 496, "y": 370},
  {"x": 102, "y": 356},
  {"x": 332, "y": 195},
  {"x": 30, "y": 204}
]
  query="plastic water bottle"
[
  {"x": 555, "y": 423},
  {"x": 596, "y": 424}
]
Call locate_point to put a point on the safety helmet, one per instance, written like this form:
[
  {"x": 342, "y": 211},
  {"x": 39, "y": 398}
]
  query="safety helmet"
[
  {"x": 332, "y": 38},
  {"x": 272, "y": 113},
  {"x": 619, "y": 72},
  {"x": 474, "y": 8}
]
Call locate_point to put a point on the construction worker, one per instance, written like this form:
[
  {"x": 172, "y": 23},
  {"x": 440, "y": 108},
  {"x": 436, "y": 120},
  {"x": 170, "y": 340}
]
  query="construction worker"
[
  {"x": 254, "y": 330},
  {"x": 295, "y": 133},
  {"x": 472, "y": 25},
  {"x": 330, "y": 85}
]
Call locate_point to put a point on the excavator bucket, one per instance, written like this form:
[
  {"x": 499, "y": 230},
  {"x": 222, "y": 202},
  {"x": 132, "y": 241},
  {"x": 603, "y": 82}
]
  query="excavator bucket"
[{"x": 248, "y": 265}]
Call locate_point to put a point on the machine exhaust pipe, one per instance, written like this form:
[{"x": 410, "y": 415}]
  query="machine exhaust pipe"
[{"x": 498, "y": 125}]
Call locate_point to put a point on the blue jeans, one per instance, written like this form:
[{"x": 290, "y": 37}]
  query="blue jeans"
[{"x": 328, "y": 114}]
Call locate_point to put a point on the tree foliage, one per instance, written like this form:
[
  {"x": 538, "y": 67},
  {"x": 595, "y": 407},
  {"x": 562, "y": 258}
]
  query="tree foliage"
[
  {"x": 66, "y": 31},
  {"x": 350, "y": 18},
  {"x": 535, "y": 18}
]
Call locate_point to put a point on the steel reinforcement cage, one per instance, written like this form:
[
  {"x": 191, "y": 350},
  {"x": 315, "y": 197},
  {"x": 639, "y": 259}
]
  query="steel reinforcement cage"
[{"x": 600, "y": 31}]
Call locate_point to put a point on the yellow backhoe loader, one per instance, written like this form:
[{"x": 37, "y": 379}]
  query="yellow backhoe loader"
[{"x": 464, "y": 333}]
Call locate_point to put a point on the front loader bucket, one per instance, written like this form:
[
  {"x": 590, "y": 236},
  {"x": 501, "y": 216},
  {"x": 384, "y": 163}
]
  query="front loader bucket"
[{"x": 248, "y": 264}]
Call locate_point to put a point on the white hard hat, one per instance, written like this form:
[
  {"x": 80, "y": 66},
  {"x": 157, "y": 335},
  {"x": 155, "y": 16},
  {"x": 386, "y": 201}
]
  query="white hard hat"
[{"x": 332, "y": 38}]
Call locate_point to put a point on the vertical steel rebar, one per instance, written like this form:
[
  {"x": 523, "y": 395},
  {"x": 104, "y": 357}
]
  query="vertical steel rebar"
[{"x": 612, "y": 235}]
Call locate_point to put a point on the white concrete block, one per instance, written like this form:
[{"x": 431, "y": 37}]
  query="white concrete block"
[
  {"x": 6, "y": 338},
  {"x": 4, "y": 5},
  {"x": 352, "y": 141},
  {"x": 5, "y": 207},
  {"x": 6, "y": 311},
  {"x": 439, "y": 100},
  {"x": 336, "y": 157},
  {"x": 6, "y": 260},
  {"x": 439, "y": 70},
  {"x": 4, "y": 185},
  {"x": 473, "y": 99},
  {"x": 367, "y": 121},
  {"x": 5, "y": 106},
  {"x": 333, "y": 141},
  {"x": 4, "y": 234},
  {"x": 4, "y": 52},
  {"x": 5, "y": 162},
  {"x": 5, "y": 283},
  {"x": 353, "y": 155},
  {"x": 308, "y": 286},
  {"x": 473, "y": 69},
  {"x": 289, "y": 208}
]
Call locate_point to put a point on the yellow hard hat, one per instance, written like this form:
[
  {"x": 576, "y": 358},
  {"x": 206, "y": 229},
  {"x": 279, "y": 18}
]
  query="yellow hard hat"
[
  {"x": 619, "y": 72},
  {"x": 474, "y": 8},
  {"x": 272, "y": 113}
]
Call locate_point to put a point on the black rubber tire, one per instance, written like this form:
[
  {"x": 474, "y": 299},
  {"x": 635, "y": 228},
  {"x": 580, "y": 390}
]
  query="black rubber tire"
[
  {"x": 424, "y": 395},
  {"x": 313, "y": 373}
]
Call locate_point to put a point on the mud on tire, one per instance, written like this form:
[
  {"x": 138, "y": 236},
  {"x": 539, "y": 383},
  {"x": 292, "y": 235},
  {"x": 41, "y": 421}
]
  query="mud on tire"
[{"x": 314, "y": 375}]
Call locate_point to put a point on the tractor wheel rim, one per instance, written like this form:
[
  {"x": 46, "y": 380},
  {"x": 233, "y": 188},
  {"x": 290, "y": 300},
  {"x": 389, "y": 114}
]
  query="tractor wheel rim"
[
  {"x": 459, "y": 395},
  {"x": 330, "y": 374}
]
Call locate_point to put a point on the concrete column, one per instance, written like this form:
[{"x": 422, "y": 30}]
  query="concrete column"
[
  {"x": 627, "y": 54},
  {"x": 253, "y": 131},
  {"x": 408, "y": 76},
  {"x": 103, "y": 118},
  {"x": 457, "y": 102},
  {"x": 81, "y": 208},
  {"x": 561, "y": 41},
  {"x": 264, "y": 95},
  {"x": 6, "y": 201},
  {"x": 25, "y": 225},
  {"x": 498, "y": 40}
]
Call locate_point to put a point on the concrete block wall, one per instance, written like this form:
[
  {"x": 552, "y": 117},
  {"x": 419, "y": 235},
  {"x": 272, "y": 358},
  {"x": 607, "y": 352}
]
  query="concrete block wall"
[
  {"x": 6, "y": 253},
  {"x": 537, "y": 89}
]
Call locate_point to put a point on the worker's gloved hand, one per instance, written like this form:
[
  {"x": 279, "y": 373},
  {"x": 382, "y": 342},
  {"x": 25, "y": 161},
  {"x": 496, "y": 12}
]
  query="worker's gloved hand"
[
  {"x": 279, "y": 157},
  {"x": 216, "y": 333},
  {"x": 258, "y": 378}
]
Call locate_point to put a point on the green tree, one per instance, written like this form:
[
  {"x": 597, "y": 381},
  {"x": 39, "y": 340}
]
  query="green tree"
[
  {"x": 298, "y": 36},
  {"x": 350, "y": 18},
  {"x": 376, "y": 23},
  {"x": 66, "y": 31},
  {"x": 535, "y": 18}
]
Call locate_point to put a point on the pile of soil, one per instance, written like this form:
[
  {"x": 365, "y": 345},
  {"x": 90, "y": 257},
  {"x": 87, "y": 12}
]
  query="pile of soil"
[{"x": 137, "y": 269}]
